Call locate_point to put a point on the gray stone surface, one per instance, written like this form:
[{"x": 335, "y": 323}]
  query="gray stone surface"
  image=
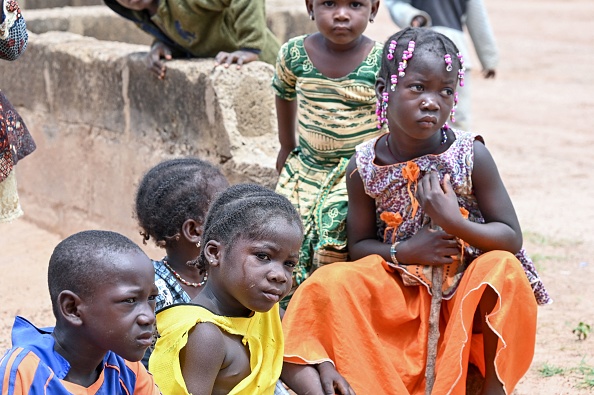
[
  {"x": 32, "y": 4},
  {"x": 100, "y": 120},
  {"x": 98, "y": 21}
]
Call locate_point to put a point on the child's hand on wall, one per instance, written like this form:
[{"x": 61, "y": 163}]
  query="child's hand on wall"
[
  {"x": 240, "y": 57},
  {"x": 153, "y": 59}
]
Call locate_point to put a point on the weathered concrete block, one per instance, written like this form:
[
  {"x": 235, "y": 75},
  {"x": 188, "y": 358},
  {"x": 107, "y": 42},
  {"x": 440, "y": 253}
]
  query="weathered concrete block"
[
  {"x": 31, "y": 4},
  {"x": 101, "y": 120},
  {"x": 84, "y": 74},
  {"x": 25, "y": 70},
  {"x": 98, "y": 21}
]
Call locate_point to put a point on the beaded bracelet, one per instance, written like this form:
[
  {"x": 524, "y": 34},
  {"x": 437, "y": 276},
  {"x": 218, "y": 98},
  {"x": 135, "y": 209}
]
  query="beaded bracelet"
[{"x": 393, "y": 252}]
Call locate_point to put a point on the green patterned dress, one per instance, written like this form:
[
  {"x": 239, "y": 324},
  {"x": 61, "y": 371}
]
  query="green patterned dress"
[{"x": 334, "y": 115}]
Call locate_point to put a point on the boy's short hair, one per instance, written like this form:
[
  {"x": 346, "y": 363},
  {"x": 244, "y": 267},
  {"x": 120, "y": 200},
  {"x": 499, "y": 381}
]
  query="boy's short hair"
[{"x": 80, "y": 261}]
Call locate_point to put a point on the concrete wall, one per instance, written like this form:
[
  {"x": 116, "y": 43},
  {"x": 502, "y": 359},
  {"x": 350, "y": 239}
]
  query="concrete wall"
[
  {"x": 31, "y": 4},
  {"x": 99, "y": 22},
  {"x": 100, "y": 120}
]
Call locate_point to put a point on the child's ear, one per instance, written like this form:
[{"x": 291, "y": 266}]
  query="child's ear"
[
  {"x": 212, "y": 252},
  {"x": 374, "y": 9},
  {"x": 309, "y": 6},
  {"x": 69, "y": 307},
  {"x": 380, "y": 87},
  {"x": 191, "y": 230}
]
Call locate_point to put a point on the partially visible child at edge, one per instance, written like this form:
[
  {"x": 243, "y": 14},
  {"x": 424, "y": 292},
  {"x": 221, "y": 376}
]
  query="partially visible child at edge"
[
  {"x": 229, "y": 340},
  {"x": 324, "y": 91},
  {"x": 15, "y": 140},
  {"x": 230, "y": 31},
  {"x": 171, "y": 205},
  {"x": 420, "y": 195},
  {"x": 103, "y": 297}
]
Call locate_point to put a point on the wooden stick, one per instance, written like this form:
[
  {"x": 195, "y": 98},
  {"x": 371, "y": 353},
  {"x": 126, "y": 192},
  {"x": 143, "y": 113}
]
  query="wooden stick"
[{"x": 433, "y": 335}]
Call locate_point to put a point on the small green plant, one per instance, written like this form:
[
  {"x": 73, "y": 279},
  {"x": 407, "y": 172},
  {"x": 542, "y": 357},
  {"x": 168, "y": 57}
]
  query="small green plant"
[
  {"x": 582, "y": 330},
  {"x": 549, "y": 370},
  {"x": 587, "y": 373},
  {"x": 583, "y": 372}
]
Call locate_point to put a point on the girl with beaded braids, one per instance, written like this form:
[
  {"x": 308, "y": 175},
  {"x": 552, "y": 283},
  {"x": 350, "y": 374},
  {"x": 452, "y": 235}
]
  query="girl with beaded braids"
[
  {"x": 229, "y": 339},
  {"x": 420, "y": 195},
  {"x": 171, "y": 204}
]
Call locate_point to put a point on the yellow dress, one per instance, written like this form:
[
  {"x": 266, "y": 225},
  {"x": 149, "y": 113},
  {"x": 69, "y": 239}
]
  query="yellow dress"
[{"x": 262, "y": 333}]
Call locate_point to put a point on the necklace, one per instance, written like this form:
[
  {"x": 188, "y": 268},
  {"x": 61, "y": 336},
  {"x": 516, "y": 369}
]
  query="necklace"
[
  {"x": 444, "y": 139},
  {"x": 183, "y": 280}
]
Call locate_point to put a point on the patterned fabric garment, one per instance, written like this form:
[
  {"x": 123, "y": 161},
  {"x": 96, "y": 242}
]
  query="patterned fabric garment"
[
  {"x": 13, "y": 31},
  {"x": 32, "y": 366},
  {"x": 15, "y": 140},
  {"x": 392, "y": 193},
  {"x": 170, "y": 291},
  {"x": 10, "y": 207},
  {"x": 334, "y": 116}
]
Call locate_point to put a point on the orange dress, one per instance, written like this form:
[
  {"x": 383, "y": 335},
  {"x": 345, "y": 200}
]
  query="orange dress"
[{"x": 361, "y": 316}]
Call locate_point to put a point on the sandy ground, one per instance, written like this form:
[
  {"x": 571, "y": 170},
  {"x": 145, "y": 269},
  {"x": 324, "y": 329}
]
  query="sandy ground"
[{"x": 534, "y": 117}]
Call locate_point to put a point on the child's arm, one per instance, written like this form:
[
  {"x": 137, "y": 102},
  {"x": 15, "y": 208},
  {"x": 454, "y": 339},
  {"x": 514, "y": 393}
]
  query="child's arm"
[
  {"x": 319, "y": 379},
  {"x": 202, "y": 358},
  {"x": 501, "y": 230},
  {"x": 426, "y": 247},
  {"x": 286, "y": 114}
]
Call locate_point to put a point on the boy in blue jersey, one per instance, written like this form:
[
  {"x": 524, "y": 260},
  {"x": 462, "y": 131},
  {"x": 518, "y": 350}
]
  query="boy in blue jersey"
[{"x": 103, "y": 297}]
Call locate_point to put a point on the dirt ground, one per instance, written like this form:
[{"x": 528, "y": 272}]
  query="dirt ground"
[{"x": 534, "y": 118}]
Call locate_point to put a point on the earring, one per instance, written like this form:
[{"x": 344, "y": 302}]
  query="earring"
[
  {"x": 311, "y": 16},
  {"x": 198, "y": 244},
  {"x": 211, "y": 260},
  {"x": 371, "y": 20},
  {"x": 453, "y": 112}
]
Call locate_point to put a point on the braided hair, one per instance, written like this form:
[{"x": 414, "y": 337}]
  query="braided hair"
[
  {"x": 423, "y": 39},
  {"x": 396, "y": 56},
  {"x": 243, "y": 210},
  {"x": 173, "y": 192}
]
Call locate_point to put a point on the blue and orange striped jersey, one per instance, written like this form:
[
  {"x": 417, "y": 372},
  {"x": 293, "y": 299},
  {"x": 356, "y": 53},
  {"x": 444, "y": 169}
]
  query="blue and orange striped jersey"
[{"x": 32, "y": 366}]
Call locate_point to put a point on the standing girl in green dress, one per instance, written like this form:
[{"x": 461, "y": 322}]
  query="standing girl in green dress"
[{"x": 324, "y": 85}]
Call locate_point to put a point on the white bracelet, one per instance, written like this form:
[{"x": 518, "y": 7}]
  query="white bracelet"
[{"x": 393, "y": 252}]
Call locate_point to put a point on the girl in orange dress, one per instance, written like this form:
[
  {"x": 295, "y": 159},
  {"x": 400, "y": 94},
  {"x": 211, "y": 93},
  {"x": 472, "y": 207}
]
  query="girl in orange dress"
[{"x": 421, "y": 195}]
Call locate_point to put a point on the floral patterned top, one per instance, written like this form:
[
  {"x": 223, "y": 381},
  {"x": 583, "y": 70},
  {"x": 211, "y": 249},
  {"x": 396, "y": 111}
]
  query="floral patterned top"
[{"x": 399, "y": 217}]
